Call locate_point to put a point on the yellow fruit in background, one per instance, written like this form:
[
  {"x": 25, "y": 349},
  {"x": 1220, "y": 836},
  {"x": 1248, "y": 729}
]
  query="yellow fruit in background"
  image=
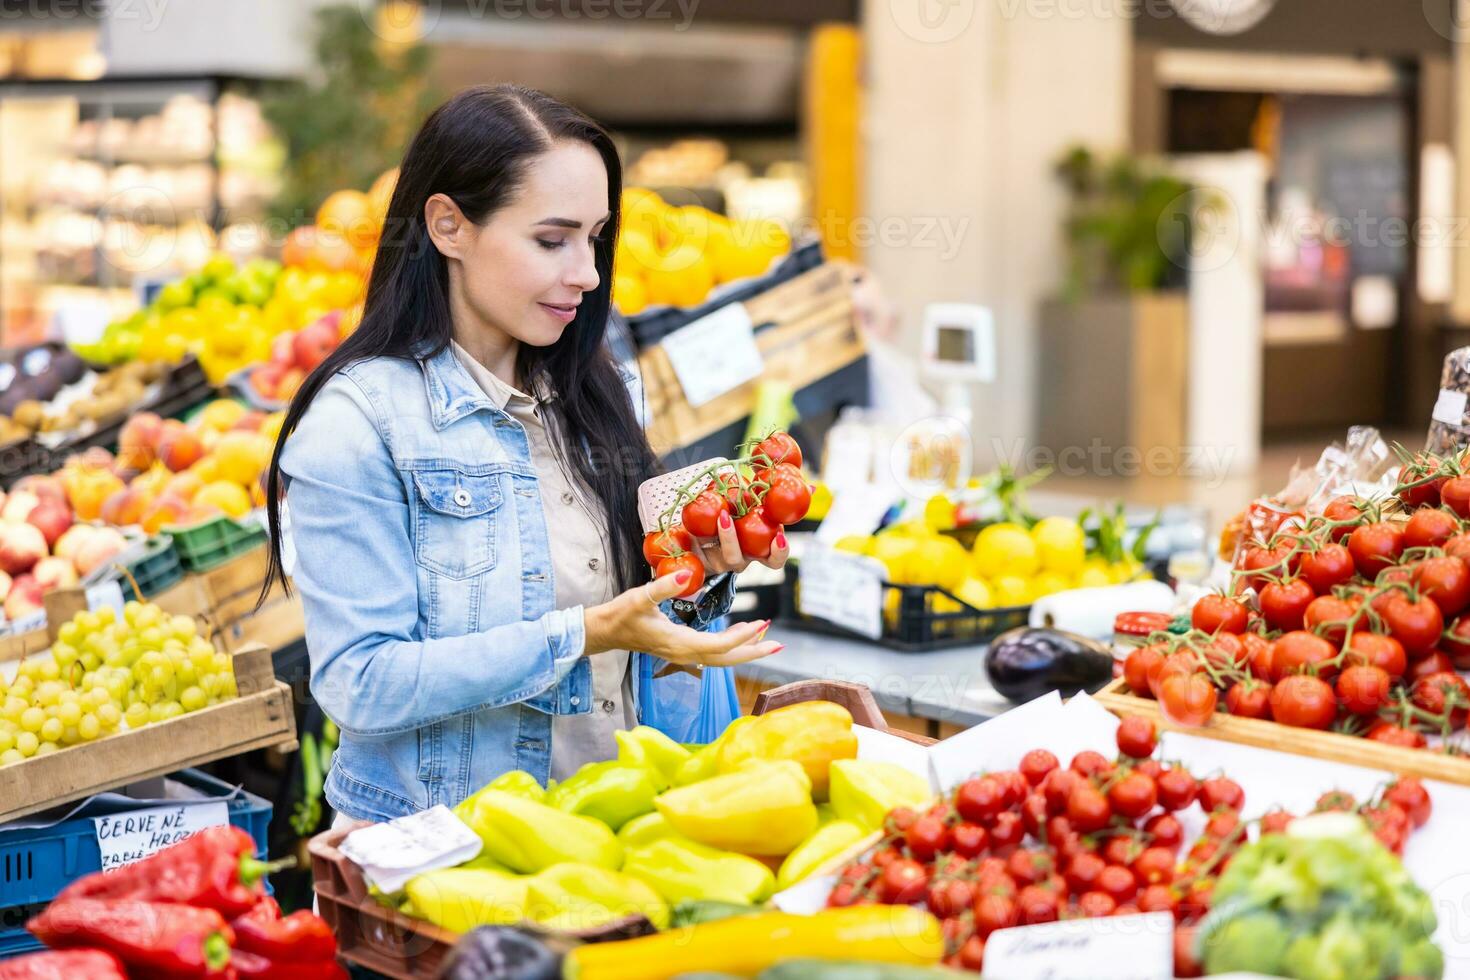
[
  {"x": 1011, "y": 590},
  {"x": 381, "y": 193},
  {"x": 350, "y": 215},
  {"x": 857, "y": 544},
  {"x": 190, "y": 323},
  {"x": 1047, "y": 582},
  {"x": 207, "y": 470},
  {"x": 939, "y": 512},
  {"x": 241, "y": 456},
  {"x": 231, "y": 498},
  {"x": 1061, "y": 544},
  {"x": 221, "y": 414},
  {"x": 270, "y": 429},
  {"x": 941, "y": 561},
  {"x": 629, "y": 294},
  {"x": 636, "y": 252},
  {"x": 341, "y": 290},
  {"x": 215, "y": 308},
  {"x": 682, "y": 277},
  {"x": 754, "y": 245},
  {"x": 976, "y": 592},
  {"x": 1126, "y": 570},
  {"x": 1005, "y": 549},
  {"x": 1095, "y": 573},
  {"x": 230, "y": 338}
]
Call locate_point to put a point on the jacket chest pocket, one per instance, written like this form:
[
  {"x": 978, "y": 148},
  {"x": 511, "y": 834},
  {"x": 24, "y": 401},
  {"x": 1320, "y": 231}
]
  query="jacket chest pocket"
[{"x": 454, "y": 521}]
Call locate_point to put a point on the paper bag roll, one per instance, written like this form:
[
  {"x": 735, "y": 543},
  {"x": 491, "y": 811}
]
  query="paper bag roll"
[{"x": 1090, "y": 612}]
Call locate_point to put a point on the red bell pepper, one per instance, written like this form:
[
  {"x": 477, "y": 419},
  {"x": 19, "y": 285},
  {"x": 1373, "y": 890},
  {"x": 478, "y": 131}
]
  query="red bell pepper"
[
  {"x": 94, "y": 964},
  {"x": 302, "y": 936},
  {"x": 214, "y": 869},
  {"x": 253, "y": 966},
  {"x": 174, "y": 940}
]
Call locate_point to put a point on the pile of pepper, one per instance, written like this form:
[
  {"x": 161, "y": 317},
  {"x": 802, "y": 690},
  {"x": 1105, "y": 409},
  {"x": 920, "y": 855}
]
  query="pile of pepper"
[
  {"x": 196, "y": 909},
  {"x": 772, "y": 800}
]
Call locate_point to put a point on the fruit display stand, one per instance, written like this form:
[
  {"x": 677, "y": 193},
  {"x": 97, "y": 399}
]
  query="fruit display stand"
[
  {"x": 403, "y": 947},
  {"x": 1326, "y": 745},
  {"x": 805, "y": 331},
  {"x": 260, "y": 717}
]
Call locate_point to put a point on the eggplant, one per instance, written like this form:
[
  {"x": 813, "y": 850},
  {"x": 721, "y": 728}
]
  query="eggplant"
[
  {"x": 501, "y": 953},
  {"x": 1026, "y": 662}
]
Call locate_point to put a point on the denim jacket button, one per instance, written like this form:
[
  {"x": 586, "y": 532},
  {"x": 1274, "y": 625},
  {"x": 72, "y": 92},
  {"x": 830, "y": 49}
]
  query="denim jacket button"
[
  {"x": 576, "y": 701},
  {"x": 462, "y": 497},
  {"x": 567, "y": 497}
]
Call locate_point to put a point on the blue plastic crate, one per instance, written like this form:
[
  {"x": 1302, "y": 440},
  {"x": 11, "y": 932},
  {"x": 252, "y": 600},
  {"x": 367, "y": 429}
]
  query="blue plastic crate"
[{"x": 36, "y": 864}]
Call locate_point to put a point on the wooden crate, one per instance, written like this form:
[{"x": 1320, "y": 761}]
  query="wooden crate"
[
  {"x": 231, "y": 593},
  {"x": 261, "y": 717},
  {"x": 1348, "y": 749},
  {"x": 809, "y": 333}
]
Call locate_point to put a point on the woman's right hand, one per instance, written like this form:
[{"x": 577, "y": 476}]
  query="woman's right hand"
[{"x": 634, "y": 621}]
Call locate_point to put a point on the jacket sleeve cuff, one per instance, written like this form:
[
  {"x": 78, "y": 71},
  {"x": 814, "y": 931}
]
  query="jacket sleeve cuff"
[{"x": 566, "y": 638}]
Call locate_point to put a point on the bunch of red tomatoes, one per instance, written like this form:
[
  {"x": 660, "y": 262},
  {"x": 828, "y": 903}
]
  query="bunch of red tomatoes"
[
  {"x": 774, "y": 495},
  {"x": 1350, "y": 621},
  {"x": 1101, "y": 837}
]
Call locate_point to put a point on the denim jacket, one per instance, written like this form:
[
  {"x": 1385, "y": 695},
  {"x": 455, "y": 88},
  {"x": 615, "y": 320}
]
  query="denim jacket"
[{"x": 425, "y": 571}]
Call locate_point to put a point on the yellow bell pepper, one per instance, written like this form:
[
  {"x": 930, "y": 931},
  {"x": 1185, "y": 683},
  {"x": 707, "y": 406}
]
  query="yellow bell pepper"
[
  {"x": 484, "y": 862},
  {"x": 645, "y": 830},
  {"x": 828, "y": 841},
  {"x": 645, "y": 746},
  {"x": 681, "y": 870},
  {"x": 745, "y": 945},
  {"x": 814, "y": 733},
  {"x": 459, "y": 899},
  {"x": 764, "y": 808},
  {"x": 573, "y": 897},
  {"x": 517, "y": 782},
  {"x": 863, "y": 791},
  {"x": 527, "y": 836},
  {"x": 608, "y": 791},
  {"x": 704, "y": 763}
]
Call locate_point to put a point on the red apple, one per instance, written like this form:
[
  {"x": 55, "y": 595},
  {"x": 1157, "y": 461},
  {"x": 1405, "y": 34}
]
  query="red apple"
[
  {"x": 24, "y": 598},
  {"x": 51, "y": 518},
  {"x": 19, "y": 504},
  {"x": 54, "y": 573},
  {"x": 21, "y": 546},
  {"x": 282, "y": 352},
  {"x": 313, "y": 344}
]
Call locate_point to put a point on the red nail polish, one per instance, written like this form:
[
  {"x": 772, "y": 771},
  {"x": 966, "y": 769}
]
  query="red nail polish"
[
  {"x": 781, "y": 540},
  {"x": 779, "y": 648},
  {"x": 724, "y": 520},
  {"x": 682, "y": 578}
]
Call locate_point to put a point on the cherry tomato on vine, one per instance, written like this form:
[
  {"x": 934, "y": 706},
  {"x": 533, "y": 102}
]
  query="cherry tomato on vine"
[
  {"x": 1416, "y": 623},
  {"x": 1375, "y": 547},
  {"x": 1277, "y": 561},
  {"x": 1446, "y": 581},
  {"x": 1057, "y": 787},
  {"x": 1177, "y": 789},
  {"x": 781, "y": 448},
  {"x": 756, "y": 533},
  {"x": 658, "y": 545},
  {"x": 1249, "y": 700},
  {"x": 1137, "y": 667},
  {"x": 1332, "y": 564},
  {"x": 1137, "y": 737},
  {"x": 1454, "y": 493},
  {"x": 1364, "y": 689},
  {"x": 1331, "y": 614},
  {"x": 903, "y": 882},
  {"x": 788, "y": 496},
  {"x": 1133, "y": 796},
  {"x": 1444, "y": 692},
  {"x": 1391, "y": 734},
  {"x": 1299, "y": 650},
  {"x": 1378, "y": 650},
  {"x": 1217, "y": 613},
  {"x": 1276, "y": 822},
  {"x": 701, "y": 516},
  {"x": 1340, "y": 510},
  {"x": 1433, "y": 662},
  {"x": 980, "y": 800},
  {"x": 1430, "y": 527},
  {"x": 1187, "y": 700},
  {"x": 1155, "y": 866},
  {"x": 1096, "y": 905},
  {"x": 1166, "y": 830},
  {"x": 1424, "y": 471},
  {"x": 1303, "y": 701},
  {"x": 686, "y": 562},
  {"x": 1283, "y": 604},
  {"x": 1088, "y": 809},
  {"x": 1455, "y": 642},
  {"x": 1258, "y": 655},
  {"x": 1408, "y": 792},
  {"x": 1090, "y": 763},
  {"x": 1036, "y": 764},
  {"x": 947, "y": 899},
  {"x": 1219, "y": 792}
]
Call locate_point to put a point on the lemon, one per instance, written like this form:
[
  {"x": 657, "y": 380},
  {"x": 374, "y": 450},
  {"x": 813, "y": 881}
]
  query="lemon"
[
  {"x": 629, "y": 293},
  {"x": 1061, "y": 545},
  {"x": 1093, "y": 577},
  {"x": 1011, "y": 590},
  {"x": 1127, "y": 570},
  {"x": 939, "y": 512},
  {"x": 1047, "y": 582},
  {"x": 1005, "y": 549},
  {"x": 894, "y": 552},
  {"x": 975, "y": 592},
  {"x": 821, "y": 501},
  {"x": 941, "y": 561}
]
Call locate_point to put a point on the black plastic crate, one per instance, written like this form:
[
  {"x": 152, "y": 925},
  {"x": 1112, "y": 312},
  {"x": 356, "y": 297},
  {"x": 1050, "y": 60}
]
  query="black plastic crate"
[
  {"x": 654, "y": 325},
  {"x": 911, "y": 623}
]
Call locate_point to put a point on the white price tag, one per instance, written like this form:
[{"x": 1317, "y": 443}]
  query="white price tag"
[
  {"x": 844, "y": 589},
  {"x": 1449, "y": 407},
  {"x": 715, "y": 354},
  {"x": 1129, "y": 947},
  {"x": 127, "y": 837},
  {"x": 391, "y": 853},
  {"x": 856, "y": 509}
]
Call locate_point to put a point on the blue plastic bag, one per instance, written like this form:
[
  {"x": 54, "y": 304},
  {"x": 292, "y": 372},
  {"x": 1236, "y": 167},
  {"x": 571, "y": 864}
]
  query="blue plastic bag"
[{"x": 687, "y": 709}]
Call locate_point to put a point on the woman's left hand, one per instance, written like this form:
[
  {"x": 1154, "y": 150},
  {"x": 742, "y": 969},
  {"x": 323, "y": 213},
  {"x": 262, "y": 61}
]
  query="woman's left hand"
[{"x": 723, "y": 554}]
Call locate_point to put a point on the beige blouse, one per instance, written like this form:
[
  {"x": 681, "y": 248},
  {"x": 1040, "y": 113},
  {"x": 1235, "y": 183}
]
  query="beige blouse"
[{"x": 582, "y": 569}]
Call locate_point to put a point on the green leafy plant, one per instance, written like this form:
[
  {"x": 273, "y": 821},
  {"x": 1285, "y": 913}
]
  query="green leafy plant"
[
  {"x": 353, "y": 118},
  {"x": 1127, "y": 224}
]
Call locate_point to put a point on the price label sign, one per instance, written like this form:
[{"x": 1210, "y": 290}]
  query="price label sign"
[
  {"x": 1129, "y": 947},
  {"x": 127, "y": 837},
  {"x": 844, "y": 589},
  {"x": 715, "y": 354}
]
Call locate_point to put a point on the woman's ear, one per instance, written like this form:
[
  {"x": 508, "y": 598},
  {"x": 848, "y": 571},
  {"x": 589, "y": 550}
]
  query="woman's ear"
[{"x": 447, "y": 225}]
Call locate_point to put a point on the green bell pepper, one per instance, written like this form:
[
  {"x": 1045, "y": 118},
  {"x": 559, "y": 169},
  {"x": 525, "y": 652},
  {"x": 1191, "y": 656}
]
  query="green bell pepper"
[
  {"x": 527, "y": 836},
  {"x": 608, "y": 791}
]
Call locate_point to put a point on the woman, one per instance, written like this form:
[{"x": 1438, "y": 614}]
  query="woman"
[{"x": 461, "y": 477}]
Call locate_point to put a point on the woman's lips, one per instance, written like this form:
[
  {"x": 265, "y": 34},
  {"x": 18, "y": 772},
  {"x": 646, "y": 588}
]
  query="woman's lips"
[{"x": 564, "y": 313}]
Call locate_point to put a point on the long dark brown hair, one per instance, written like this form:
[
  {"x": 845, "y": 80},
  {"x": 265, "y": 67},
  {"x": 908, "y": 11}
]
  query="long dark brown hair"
[{"x": 476, "y": 149}]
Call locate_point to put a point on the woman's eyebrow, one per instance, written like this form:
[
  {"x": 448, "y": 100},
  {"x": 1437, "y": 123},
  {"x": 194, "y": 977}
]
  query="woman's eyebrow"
[{"x": 570, "y": 222}]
